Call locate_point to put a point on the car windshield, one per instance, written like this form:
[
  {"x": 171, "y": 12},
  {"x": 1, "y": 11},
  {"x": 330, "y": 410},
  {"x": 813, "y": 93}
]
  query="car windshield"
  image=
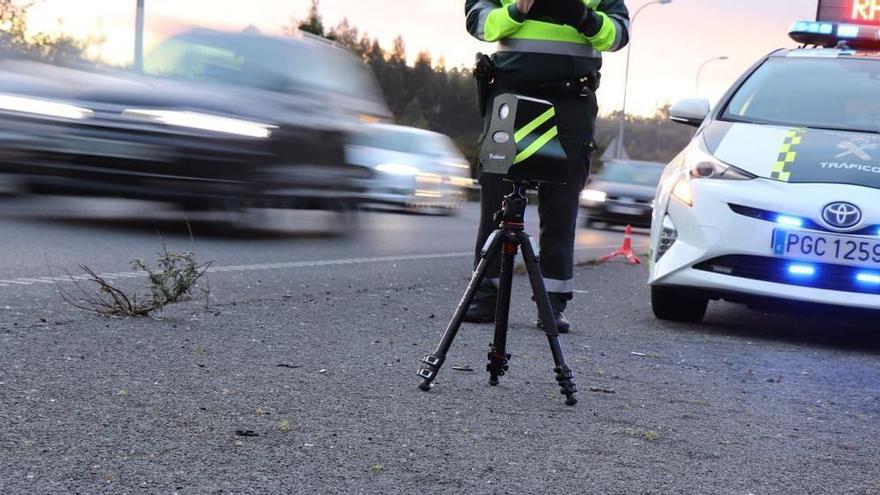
[
  {"x": 240, "y": 60},
  {"x": 827, "y": 93},
  {"x": 386, "y": 140},
  {"x": 342, "y": 73},
  {"x": 631, "y": 173}
]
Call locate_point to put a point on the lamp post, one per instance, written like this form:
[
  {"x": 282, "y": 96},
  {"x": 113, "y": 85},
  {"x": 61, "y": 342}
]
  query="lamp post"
[
  {"x": 139, "y": 37},
  {"x": 621, "y": 137},
  {"x": 703, "y": 65}
]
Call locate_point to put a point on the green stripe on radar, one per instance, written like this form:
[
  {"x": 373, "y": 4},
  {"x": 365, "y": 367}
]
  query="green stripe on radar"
[
  {"x": 537, "y": 145},
  {"x": 531, "y": 126}
]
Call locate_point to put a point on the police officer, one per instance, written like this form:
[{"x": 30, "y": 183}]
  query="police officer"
[{"x": 545, "y": 47}]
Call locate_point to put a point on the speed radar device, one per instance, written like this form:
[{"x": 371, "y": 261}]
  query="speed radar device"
[{"x": 522, "y": 142}]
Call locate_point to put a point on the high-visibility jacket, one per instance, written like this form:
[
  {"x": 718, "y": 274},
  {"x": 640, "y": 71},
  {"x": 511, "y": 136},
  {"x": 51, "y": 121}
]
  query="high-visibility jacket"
[{"x": 547, "y": 50}]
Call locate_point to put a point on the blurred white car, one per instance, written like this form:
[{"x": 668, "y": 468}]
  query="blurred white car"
[{"x": 412, "y": 168}]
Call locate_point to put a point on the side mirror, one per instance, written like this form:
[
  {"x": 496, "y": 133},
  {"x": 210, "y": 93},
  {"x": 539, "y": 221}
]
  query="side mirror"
[{"x": 690, "y": 112}]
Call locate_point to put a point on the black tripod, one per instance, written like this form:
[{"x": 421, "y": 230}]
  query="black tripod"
[{"x": 505, "y": 242}]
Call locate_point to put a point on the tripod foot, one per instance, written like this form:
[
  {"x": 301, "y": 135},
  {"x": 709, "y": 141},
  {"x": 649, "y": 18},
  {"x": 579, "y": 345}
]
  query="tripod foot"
[
  {"x": 430, "y": 366},
  {"x": 497, "y": 366},
  {"x": 564, "y": 377}
]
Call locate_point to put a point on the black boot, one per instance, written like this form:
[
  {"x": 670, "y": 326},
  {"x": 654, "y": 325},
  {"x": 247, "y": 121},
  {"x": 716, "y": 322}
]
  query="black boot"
[
  {"x": 558, "y": 304},
  {"x": 482, "y": 309}
]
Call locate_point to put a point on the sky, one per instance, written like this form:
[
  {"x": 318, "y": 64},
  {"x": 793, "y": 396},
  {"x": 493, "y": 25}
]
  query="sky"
[{"x": 669, "y": 42}]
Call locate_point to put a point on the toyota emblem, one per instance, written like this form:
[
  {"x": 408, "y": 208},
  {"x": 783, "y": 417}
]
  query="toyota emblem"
[{"x": 842, "y": 215}]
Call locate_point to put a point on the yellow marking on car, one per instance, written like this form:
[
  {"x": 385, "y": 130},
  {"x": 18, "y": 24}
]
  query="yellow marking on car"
[{"x": 787, "y": 154}]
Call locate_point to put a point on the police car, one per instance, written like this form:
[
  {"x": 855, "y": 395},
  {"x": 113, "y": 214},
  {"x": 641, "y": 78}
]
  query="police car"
[{"x": 777, "y": 197}]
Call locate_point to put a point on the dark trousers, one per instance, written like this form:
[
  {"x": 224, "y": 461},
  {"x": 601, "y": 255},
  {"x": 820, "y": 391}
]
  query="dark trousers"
[{"x": 558, "y": 204}]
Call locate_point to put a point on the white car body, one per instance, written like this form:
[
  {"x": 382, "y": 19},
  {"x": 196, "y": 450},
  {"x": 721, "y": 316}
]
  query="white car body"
[{"x": 757, "y": 240}]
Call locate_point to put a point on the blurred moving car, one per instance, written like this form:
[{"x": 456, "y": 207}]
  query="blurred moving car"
[
  {"x": 228, "y": 120},
  {"x": 412, "y": 168},
  {"x": 622, "y": 193}
]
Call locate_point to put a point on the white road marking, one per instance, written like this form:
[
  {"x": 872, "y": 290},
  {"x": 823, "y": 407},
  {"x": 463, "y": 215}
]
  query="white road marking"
[{"x": 264, "y": 266}]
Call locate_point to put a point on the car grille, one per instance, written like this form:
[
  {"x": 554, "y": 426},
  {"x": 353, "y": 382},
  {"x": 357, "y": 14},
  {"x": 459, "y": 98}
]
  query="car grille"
[
  {"x": 828, "y": 276},
  {"x": 628, "y": 200}
]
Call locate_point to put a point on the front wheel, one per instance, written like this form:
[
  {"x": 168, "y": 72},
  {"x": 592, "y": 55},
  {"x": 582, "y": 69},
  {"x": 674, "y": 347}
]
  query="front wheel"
[{"x": 681, "y": 305}]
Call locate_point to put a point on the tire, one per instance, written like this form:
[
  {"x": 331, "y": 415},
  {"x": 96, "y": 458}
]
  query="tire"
[{"x": 679, "y": 305}]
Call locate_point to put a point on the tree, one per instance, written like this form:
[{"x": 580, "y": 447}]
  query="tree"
[
  {"x": 413, "y": 116},
  {"x": 13, "y": 26},
  {"x": 313, "y": 23},
  {"x": 349, "y": 36},
  {"x": 51, "y": 48},
  {"x": 398, "y": 52}
]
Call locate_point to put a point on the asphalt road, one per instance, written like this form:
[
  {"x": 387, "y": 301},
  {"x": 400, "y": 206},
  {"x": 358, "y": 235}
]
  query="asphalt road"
[{"x": 298, "y": 376}]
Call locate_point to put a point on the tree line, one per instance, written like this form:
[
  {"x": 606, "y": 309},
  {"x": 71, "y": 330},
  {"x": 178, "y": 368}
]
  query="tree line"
[{"x": 429, "y": 95}]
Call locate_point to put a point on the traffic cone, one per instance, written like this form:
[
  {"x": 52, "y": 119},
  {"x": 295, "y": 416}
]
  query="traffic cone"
[{"x": 626, "y": 250}]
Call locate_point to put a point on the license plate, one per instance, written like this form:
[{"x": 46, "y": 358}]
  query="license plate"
[
  {"x": 831, "y": 248},
  {"x": 625, "y": 210}
]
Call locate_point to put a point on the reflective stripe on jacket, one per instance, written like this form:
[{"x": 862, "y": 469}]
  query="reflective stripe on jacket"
[{"x": 499, "y": 20}]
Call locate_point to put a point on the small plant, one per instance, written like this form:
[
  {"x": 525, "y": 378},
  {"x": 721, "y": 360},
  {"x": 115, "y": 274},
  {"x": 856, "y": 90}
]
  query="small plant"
[{"x": 174, "y": 280}]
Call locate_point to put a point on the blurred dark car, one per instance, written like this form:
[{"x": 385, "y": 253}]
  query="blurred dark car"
[
  {"x": 413, "y": 169},
  {"x": 230, "y": 120},
  {"x": 622, "y": 193}
]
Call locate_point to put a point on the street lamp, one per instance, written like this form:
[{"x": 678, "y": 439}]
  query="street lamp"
[
  {"x": 622, "y": 134},
  {"x": 700, "y": 70},
  {"x": 139, "y": 37}
]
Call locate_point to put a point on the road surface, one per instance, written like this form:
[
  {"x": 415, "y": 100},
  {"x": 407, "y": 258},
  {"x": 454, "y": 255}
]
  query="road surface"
[{"x": 298, "y": 376}]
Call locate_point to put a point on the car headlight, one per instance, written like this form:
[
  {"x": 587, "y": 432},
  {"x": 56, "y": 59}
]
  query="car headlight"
[
  {"x": 203, "y": 122},
  {"x": 456, "y": 164},
  {"x": 396, "y": 169},
  {"x": 700, "y": 164},
  {"x": 594, "y": 196},
  {"x": 42, "y": 108}
]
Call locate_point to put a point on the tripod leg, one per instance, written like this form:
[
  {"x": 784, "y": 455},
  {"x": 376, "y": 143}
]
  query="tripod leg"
[
  {"x": 432, "y": 362},
  {"x": 564, "y": 375},
  {"x": 498, "y": 356}
]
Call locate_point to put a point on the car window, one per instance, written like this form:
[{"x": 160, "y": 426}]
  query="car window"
[
  {"x": 385, "y": 139},
  {"x": 631, "y": 173},
  {"x": 435, "y": 145},
  {"x": 339, "y": 72},
  {"x": 240, "y": 60},
  {"x": 829, "y": 93}
]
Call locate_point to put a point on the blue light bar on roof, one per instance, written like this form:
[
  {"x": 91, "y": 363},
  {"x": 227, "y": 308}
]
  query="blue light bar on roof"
[
  {"x": 833, "y": 35},
  {"x": 847, "y": 31}
]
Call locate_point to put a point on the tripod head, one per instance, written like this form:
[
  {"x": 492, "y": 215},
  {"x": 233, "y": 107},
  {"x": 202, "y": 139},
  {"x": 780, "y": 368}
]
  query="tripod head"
[{"x": 513, "y": 207}]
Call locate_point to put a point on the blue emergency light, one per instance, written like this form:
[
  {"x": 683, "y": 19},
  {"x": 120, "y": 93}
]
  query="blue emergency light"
[
  {"x": 836, "y": 35},
  {"x": 845, "y": 24}
]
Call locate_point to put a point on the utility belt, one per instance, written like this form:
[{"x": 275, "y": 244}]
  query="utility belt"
[{"x": 489, "y": 79}]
